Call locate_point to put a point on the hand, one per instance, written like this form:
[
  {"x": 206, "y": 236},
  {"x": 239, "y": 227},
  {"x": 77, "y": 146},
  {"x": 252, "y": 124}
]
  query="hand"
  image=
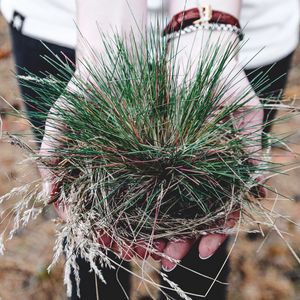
[
  {"x": 52, "y": 141},
  {"x": 207, "y": 245},
  {"x": 250, "y": 124}
]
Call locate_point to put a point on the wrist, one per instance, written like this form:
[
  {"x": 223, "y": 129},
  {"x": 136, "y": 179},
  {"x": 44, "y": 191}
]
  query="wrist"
[
  {"x": 231, "y": 7},
  {"x": 193, "y": 49},
  {"x": 203, "y": 17},
  {"x": 211, "y": 25}
]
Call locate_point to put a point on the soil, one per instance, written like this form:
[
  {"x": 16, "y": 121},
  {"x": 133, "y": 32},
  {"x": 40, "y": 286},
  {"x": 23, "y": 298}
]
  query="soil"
[{"x": 263, "y": 268}]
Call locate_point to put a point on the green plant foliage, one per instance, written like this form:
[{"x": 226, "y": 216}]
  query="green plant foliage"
[{"x": 146, "y": 152}]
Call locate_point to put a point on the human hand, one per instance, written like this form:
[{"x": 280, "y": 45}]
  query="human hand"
[
  {"x": 249, "y": 123},
  {"x": 52, "y": 141},
  {"x": 207, "y": 245}
]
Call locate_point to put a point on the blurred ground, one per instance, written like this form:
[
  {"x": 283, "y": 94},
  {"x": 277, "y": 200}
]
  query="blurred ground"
[{"x": 266, "y": 273}]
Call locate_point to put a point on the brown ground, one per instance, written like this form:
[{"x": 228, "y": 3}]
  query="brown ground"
[{"x": 269, "y": 274}]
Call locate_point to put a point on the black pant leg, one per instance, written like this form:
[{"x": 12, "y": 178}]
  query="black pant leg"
[
  {"x": 193, "y": 283},
  {"x": 277, "y": 75},
  {"x": 28, "y": 55},
  {"x": 117, "y": 282}
]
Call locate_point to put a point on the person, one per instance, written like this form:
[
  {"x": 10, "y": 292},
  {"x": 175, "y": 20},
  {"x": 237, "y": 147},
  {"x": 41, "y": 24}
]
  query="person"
[{"x": 268, "y": 23}]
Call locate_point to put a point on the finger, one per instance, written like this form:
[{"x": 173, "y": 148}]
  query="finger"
[
  {"x": 249, "y": 121},
  {"x": 124, "y": 251},
  {"x": 141, "y": 250},
  {"x": 175, "y": 250},
  {"x": 232, "y": 219},
  {"x": 46, "y": 177},
  {"x": 260, "y": 190},
  {"x": 209, "y": 244},
  {"x": 61, "y": 210},
  {"x": 51, "y": 141},
  {"x": 159, "y": 246},
  {"x": 105, "y": 239},
  {"x": 53, "y": 190}
]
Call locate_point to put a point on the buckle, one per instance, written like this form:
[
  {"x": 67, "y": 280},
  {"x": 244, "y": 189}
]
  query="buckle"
[{"x": 205, "y": 12}]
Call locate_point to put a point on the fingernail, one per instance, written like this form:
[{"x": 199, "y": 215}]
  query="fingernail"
[
  {"x": 211, "y": 245},
  {"x": 207, "y": 257},
  {"x": 168, "y": 268}
]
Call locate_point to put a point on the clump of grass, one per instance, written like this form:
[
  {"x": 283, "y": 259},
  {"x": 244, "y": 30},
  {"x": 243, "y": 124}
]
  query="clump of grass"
[{"x": 144, "y": 152}]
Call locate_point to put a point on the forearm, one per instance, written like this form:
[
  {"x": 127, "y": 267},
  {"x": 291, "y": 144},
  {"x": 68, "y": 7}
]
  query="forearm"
[
  {"x": 192, "y": 45},
  {"x": 96, "y": 17},
  {"x": 232, "y": 7}
]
